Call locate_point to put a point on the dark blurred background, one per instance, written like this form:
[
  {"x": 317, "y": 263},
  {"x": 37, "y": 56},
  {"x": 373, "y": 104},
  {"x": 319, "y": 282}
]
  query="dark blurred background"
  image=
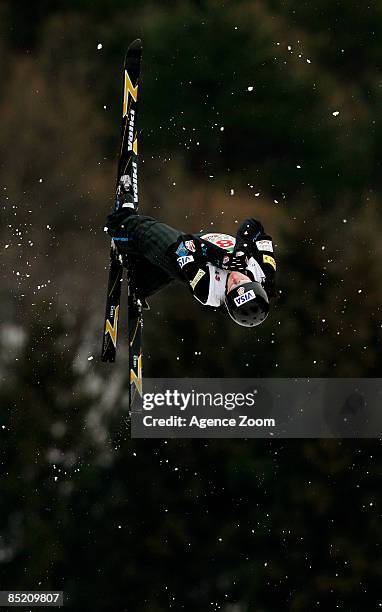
[{"x": 270, "y": 109}]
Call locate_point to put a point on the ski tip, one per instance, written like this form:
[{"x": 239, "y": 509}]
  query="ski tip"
[{"x": 136, "y": 45}]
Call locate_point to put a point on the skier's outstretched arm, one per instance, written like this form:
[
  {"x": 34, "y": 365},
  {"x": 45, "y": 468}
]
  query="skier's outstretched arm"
[{"x": 253, "y": 241}]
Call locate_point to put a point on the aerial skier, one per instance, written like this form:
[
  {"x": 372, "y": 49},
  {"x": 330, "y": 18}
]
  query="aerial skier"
[{"x": 235, "y": 275}]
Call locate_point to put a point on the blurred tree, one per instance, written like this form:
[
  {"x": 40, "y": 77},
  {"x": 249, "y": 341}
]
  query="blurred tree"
[{"x": 279, "y": 103}]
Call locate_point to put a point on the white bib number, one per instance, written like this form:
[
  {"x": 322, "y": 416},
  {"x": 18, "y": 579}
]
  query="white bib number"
[{"x": 224, "y": 241}]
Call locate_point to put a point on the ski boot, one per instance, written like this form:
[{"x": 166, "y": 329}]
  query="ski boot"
[{"x": 125, "y": 194}]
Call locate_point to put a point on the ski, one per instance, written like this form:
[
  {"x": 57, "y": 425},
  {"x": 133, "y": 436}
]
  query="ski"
[{"x": 127, "y": 180}]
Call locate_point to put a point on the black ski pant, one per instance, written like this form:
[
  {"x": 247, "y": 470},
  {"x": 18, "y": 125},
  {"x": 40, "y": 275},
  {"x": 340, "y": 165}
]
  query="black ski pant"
[{"x": 149, "y": 241}]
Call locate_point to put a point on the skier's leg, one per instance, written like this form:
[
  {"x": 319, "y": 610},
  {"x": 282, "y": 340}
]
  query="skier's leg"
[
  {"x": 148, "y": 238},
  {"x": 149, "y": 278}
]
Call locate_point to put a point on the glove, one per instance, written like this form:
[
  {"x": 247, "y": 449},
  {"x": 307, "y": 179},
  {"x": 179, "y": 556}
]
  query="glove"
[
  {"x": 249, "y": 231},
  {"x": 238, "y": 262}
]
